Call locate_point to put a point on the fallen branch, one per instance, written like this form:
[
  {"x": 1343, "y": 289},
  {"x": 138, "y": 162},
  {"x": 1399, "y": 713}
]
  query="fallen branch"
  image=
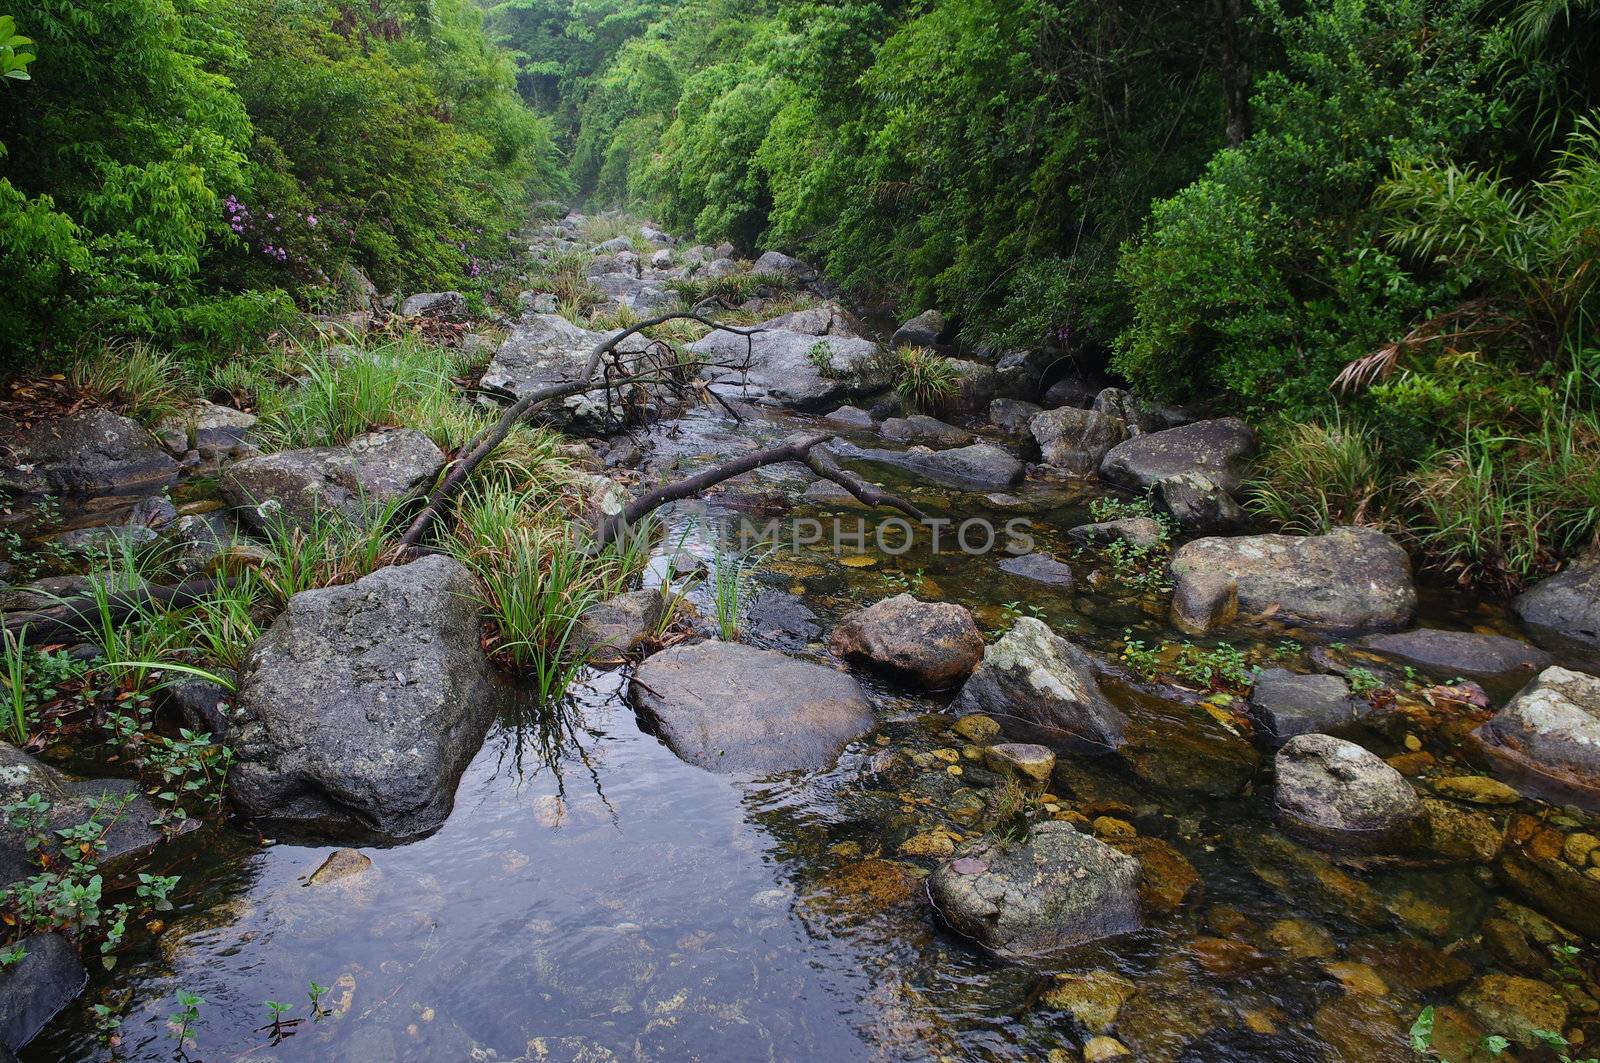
[{"x": 75, "y": 617}]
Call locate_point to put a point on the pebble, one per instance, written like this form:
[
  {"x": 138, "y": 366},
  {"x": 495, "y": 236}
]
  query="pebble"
[
  {"x": 1358, "y": 978},
  {"x": 1413, "y": 744},
  {"x": 1103, "y": 1048},
  {"x": 1579, "y": 848},
  {"x": 1478, "y": 789},
  {"x": 977, "y": 728},
  {"x": 1112, "y": 827}
]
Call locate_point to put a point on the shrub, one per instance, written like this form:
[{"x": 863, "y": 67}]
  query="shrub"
[{"x": 926, "y": 382}]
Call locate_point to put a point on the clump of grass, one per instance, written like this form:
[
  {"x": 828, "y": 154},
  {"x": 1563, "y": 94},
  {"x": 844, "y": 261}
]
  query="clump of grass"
[
  {"x": 599, "y": 228},
  {"x": 563, "y": 275},
  {"x": 732, "y": 574},
  {"x": 330, "y": 549},
  {"x": 145, "y": 383},
  {"x": 925, "y": 382},
  {"x": 1319, "y": 474},
  {"x": 732, "y": 288}
]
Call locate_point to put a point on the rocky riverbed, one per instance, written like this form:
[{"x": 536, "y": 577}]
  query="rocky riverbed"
[{"x": 1111, "y": 779}]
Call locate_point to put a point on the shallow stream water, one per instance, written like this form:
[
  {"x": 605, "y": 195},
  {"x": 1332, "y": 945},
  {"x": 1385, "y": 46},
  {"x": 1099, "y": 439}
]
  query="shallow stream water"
[{"x": 593, "y": 898}]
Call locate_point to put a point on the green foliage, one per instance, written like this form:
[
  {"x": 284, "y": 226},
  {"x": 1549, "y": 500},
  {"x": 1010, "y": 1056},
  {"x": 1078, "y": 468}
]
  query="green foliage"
[
  {"x": 925, "y": 382},
  {"x": 14, "y": 54},
  {"x": 1316, "y": 474}
]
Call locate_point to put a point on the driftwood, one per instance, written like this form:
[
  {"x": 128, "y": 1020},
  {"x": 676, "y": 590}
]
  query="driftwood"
[{"x": 76, "y": 616}]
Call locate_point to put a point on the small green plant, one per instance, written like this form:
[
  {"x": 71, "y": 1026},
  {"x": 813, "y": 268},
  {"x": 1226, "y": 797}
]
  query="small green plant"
[
  {"x": 1223, "y": 667},
  {"x": 16, "y": 679},
  {"x": 1286, "y": 649},
  {"x": 926, "y": 382},
  {"x": 820, "y": 355},
  {"x": 1140, "y": 655},
  {"x": 1362, "y": 682},
  {"x": 9, "y": 958},
  {"x": 316, "y": 993},
  {"x": 1109, "y": 508},
  {"x": 182, "y": 1022},
  {"x": 731, "y": 575}
]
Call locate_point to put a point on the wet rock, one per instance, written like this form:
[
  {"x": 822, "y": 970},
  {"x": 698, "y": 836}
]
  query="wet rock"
[
  {"x": 1075, "y": 440},
  {"x": 616, "y": 626},
  {"x": 217, "y": 434},
  {"x": 1492, "y": 660},
  {"x": 1532, "y": 863},
  {"x": 1119, "y": 403},
  {"x": 1411, "y": 967},
  {"x": 1070, "y": 391},
  {"x": 130, "y": 833},
  {"x": 1305, "y": 877},
  {"x": 1093, "y": 998},
  {"x": 1104, "y": 1049},
  {"x": 445, "y": 306},
  {"x": 1140, "y": 532},
  {"x": 979, "y": 467},
  {"x": 1302, "y": 940},
  {"x": 341, "y": 864},
  {"x": 202, "y": 704},
  {"x": 94, "y": 452},
  {"x": 1285, "y": 704},
  {"x": 352, "y": 482},
  {"x": 1040, "y": 568},
  {"x": 1220, "y": 449},
  {"x": 1047, "y": 685},
  {"x": 976, "y": 728},
  {"x": 1204, "y": 600},
  {"x": 919, "y": 428},
  {"x": 1361, "y": 1026},
  {"x": 1199, "y": 505},
  {"x": 1548, "y": 736},
  {"x": 1013, "y": 416},
  {"x": 1058, "y": 889},
  {"x": 1562, "y": 613},
  {"x": 1338, "y": 794},
  {"x": 198, "y": 540},
  {"x": 1477, "y": 789},
  {"x": 775, "y": 263},
  {"x": 33, "y": 991},
  {"x": 1025, "y": 762},
  {"x": 1351, "y": 579},
  {"x": 1169, "y": 879},
  {"x": 923, "y": 330},
  {"x": 1457, "y": 833},
  {"x": 361, "y": 705},
  {"x": 933, "y": 644},
  {"x": 1514, "y": 1006},
  {"x": 731, "y": 708},
  {"x": 784, "y": 371},
  {"x": 545, "y": 350},
  {"x": 851, "y": 417}
]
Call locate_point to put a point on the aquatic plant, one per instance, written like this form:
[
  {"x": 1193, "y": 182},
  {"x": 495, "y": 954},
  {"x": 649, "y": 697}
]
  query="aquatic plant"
[{"x": 731, "y": 576}]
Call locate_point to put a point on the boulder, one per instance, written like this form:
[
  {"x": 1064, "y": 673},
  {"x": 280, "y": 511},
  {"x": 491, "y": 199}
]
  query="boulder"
[
  {"x": 1199, "y": 505},
  {"x": 93, "y": 452},
  {"x": 614, "y": 627},
  {"x": 1033, "y": 899},
  {"x": 933, "y": 644},
  {"x": 1070, "y": 391},
  {"x": 1547, "y": 738},
  {"x": 1142, "y": 532},
  {"x": 824, "y": 319},
  {"x": 1045, "y": 685},
  {"x": 445, "y": 306},
  {"x": 924, "y": 330},
  {"x": 544, "y": 350},
  {"x": 1221, "y": 449},
  {"x": 652, "y": 235},
  {"x": 731, "y": 708},
  {"x": 850, "y": 417},
  {"x": 920, "y": 428},
  {"x": 721, "y": 266},
  {"x": 1351, "y": 579},
  {"x": 36, "y": 989},
  {"x": 129, "y": 833},
  {"x": 1490, "y": 660},
  {"x": 1076, "y": 440},
  {"x": 613, "y": 245},
  {"x": 1013, "y": 416},
  {"x": 979, "y": 467},
  {"x": 217, "y": 434},
  {"x": 1118, "y": 403},
  {"x": 353, "y": 481},
  {"x": 1284, "y": 704},
  {"x": 1040, "y": 568},
  {"x": 777, "y": 264},
  {"x": 1562, "y": 613},
  {"x": 361, "y": 705},
  {"x": 977, "y": 385},
  {"x": 784, "y": 370},
  {"x": 1338, "y": 795}
]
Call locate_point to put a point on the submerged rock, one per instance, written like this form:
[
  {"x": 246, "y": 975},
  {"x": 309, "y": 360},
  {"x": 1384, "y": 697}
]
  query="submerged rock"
[
  {"x": 1141, "y": 532},
  {"x": 934, "y": 644},
  {"x": 1058, "y": 889},
  {"x": 1285, "y": 704},
  {"x": 1338, "y": 794},
  {"x": 731, "y": 708},
  {"x": 1074, "y": 439},
  {"x": 1040, "y": 568},
  {"x": 1046, "y": 684},
  {"x": 919, "y": 428},
  {"x": 351, "y": 482},
  {"x": 979, "y": 467},
  {"x": 361, "y": 705},
  {"x": 1562, "y": 613},
  {"x": 34, "y": 990},
  {"x": 1351, "y": 579},
  {"x": 1025, "y": 762},
  {"x": 1548, "y": 736},
  {"x": 1220, "y": 449},
  {"x": 1492, "y": 660},
  {"x": 93, "y": 452}
]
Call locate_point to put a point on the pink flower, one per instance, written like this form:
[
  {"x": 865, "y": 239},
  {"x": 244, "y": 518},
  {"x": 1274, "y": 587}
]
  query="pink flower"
[{"x": 311, "y": 220}]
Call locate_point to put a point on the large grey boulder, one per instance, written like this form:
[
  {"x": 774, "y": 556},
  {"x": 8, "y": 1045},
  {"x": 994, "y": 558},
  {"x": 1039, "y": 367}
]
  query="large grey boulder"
[
  {"x": 1491, "y": 660},
  {"x": 1548, "y": 736},
  {"x": 1119, "y": 403},
  {"x": 92, "y": 452},
  {"x": 777, "y": 264},
  {"x": 1284, "y": 704},
  {"x": 923, "y": 330},
  {"x": 781, "y": 368},
  {"x": 929, "y": 431},
  {"x": 979, "y": 467},
  {"x": 731, "y": 708},
  {"x": 1076, "y": 440},
  {"x": 1045, "y": 686},
  {"x": 1220, "y": 448},
  {"x": 361, "y": 705},
  {"x": 933, "y": 644},
  {"x": 1562, "y": 613},
  {"x": 546, "y": 350},
  {"x": 445, "y": 306},
  {"x": 1351, "y": 579},
  {"x": 1032, "y": 899},
  {"x": 350, "y": 482},
  {"x": 824, "y": 319},
  {"x": 36, "y": 989},
  {"x": 1199, "y": 505},
  {"x": 1338, "y": 795}
]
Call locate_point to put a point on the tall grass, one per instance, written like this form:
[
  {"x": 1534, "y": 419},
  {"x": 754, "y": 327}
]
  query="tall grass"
[
  {"x": 925, "y": 381},
  {"x": 732, "y": 574},
  {"x": 330, "y": 549},
  {"x": 16, "y": 678},
  {"x": 144, "y": 382},
  {"x": 1318, "y": 474}
]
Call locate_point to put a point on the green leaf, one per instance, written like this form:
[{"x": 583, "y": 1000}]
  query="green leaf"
[{"x": 1422, "y": 1031}]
